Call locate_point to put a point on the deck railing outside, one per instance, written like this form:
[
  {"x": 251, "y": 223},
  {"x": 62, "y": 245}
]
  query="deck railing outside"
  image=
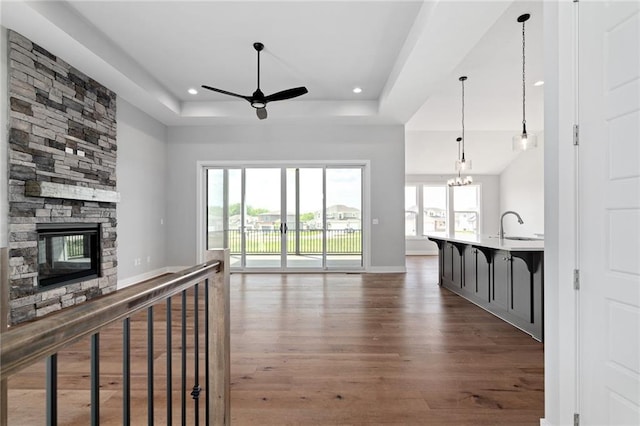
[
  {"x": 304, "y": 241},
  {"x": 25, "y": 344}
]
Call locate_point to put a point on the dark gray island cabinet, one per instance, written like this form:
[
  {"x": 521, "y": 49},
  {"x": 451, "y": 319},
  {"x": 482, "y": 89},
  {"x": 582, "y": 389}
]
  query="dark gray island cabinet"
[{"x": 504, "y": 277}]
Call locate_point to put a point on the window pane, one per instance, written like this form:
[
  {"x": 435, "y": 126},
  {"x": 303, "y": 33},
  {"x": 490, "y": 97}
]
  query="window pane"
[
  {"x": 466, "y": 222},
  {"x": 466, "y": 198},
  {"x": 435, "y": 209},
  {"x": 410, "y": 211},
  {"x": 215, "y": 217},
  {"x": 343, "y": 217},
  {"x": 466, "y": 204}
]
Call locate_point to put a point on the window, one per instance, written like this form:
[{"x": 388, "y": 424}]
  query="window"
[
  {"x": 434, "y": 199},
  {"x": 466, "y": 209},
  {"x": 444, "y": 209},
  {"x": 410, "y": 211}
]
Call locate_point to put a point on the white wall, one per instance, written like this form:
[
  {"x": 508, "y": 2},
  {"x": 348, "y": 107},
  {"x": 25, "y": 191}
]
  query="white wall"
[
  {"x": 522, "y": 190},
  {"x": 383, "y": 146},
  {"x": 4, "y": 143},
  {"x": 489, "y": 214},
  {"x": 141, "y": 176}
]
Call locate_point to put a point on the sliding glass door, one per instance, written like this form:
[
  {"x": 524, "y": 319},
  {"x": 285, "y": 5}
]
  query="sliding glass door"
[
  {"x": 343, "y": 210},
  {"x": 305, "y": 218},
  {"x": 264, "y": 228},
  {"x": 288, "y": 218}
]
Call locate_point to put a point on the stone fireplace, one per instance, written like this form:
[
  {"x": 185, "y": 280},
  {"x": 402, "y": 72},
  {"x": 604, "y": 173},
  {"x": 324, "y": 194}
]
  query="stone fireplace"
[{"x": 62, "y": 183}]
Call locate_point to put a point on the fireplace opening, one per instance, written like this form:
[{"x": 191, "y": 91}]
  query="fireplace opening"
[{"x": 67, "y": 253}]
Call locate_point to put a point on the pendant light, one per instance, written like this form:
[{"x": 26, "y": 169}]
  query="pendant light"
[
  {"x": 459, "y": 180},
  {"x": 462, "y": 164},
  {"x": 524, "y": 141}
]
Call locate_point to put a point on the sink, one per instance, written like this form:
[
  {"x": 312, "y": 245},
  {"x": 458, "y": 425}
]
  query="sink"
[
  {"x": 517, "y": 238},
  {"x": 523, "y": 238}
]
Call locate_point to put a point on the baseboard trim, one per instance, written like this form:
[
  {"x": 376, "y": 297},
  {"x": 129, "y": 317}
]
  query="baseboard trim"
[
  {"x": 544, "y": 422},
  {"x": 387, "y": 270},
  {"x": 126, "y": 282},
  {"x": 421, "y": 253}
]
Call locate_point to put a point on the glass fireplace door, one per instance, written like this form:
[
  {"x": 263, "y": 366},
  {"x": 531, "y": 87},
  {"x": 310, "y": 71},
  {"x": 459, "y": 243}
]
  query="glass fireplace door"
[{"x": 66, "y": 253}]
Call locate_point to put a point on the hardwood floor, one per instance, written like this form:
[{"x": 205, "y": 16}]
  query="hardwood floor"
[
  {"x": 376, "y": 349},
  {"x": 345, "y": 349}
]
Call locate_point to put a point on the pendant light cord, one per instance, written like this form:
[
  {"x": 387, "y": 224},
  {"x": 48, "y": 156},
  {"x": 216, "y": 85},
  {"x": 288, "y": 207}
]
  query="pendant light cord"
[
  {"x": 524, "y": 121},
  {"x": 462, "y": 79},
  {"x": 462, "y": 120}
]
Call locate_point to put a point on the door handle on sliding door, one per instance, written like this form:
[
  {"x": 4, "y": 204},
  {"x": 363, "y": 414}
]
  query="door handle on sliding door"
[
  {"x": 285, "y": 228},
  {"x": 281, "y": 228}
]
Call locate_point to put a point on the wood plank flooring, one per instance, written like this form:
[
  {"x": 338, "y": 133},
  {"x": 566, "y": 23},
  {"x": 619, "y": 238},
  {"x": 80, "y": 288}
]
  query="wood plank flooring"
[{"x": 335, "y": 349}]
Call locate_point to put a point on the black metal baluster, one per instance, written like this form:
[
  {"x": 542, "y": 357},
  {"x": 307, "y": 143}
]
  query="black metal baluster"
[
  {"x": 206, "y": 351},
  {"x": 169, "y": 367},
  {"x": 150, "y": 366},
  {"x": 95, "y": 379},
  {"x": 195, "y": 393},
  {"x": 126, "y": 372},
  {"x": 52, "y": 390},
  {"x": 183, "y": 396}
]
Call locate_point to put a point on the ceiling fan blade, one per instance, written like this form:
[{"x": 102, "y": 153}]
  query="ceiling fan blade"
[
  {"x": 261, "y": 113},
  {"x": 224, "y": 92},
  {"x": 286, "y": 94}
]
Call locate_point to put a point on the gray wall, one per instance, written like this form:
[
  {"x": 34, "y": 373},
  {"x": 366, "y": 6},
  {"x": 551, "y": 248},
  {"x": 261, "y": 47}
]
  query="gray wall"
[
  {"x": 141, "y": 173},
  {"x": 383, "y": 146}
]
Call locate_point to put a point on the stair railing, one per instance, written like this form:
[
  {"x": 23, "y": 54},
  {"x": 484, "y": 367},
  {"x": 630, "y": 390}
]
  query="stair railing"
[{"x": 25, "y": 344}]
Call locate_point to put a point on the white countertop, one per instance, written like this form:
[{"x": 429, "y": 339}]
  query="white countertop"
[{"x": 491, "y": 241}]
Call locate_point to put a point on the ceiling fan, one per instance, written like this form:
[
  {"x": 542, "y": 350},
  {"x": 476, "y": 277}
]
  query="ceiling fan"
[{"x": 258, "y": 100}]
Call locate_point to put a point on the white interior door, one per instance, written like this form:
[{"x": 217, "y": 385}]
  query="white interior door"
[{"x": 609, "y": 211}]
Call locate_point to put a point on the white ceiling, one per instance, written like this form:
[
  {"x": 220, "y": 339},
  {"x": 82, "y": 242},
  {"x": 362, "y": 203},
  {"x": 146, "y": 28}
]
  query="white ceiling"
[{"x": 406, "y": 55}]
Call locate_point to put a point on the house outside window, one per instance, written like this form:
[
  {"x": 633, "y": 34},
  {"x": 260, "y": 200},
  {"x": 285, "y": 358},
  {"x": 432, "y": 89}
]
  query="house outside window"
[
  {"x": 466, "y": 205},
  {"x": 434, "y": 201}
]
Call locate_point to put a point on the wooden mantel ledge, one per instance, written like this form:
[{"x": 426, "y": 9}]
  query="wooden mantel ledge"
[{"x": 71, "y": 192}]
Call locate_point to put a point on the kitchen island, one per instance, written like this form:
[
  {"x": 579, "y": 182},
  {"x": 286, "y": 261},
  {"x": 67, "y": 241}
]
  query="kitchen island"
[{"x": 502, "y": 276}]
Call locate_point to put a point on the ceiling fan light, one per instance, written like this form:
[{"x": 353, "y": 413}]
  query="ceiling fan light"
[
  {"x": 258, "y": 104},
  {"x": 524, "y": 141}
]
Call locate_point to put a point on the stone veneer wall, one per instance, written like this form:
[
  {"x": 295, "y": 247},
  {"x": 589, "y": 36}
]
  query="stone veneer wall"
[{"x": 62, "y": 130}]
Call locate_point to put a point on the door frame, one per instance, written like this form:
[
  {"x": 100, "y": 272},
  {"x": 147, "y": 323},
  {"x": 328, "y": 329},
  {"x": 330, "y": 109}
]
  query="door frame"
[{"x": 201, "y": 202}]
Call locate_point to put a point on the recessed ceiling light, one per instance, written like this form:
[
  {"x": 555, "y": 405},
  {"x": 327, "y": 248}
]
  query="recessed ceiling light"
[
  {"x": 538, "y": 83},
  {"x": 193, "y": 91},
  {"x": 357, "y": 90}
]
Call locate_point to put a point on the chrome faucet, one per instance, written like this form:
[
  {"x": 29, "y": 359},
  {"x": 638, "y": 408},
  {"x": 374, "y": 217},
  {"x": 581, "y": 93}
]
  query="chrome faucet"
[{"x": 520, "y": 221}]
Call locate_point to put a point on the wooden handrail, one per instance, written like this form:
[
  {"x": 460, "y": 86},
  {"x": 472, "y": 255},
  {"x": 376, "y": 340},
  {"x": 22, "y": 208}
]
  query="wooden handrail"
[{"x": 27, "y": 343}]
